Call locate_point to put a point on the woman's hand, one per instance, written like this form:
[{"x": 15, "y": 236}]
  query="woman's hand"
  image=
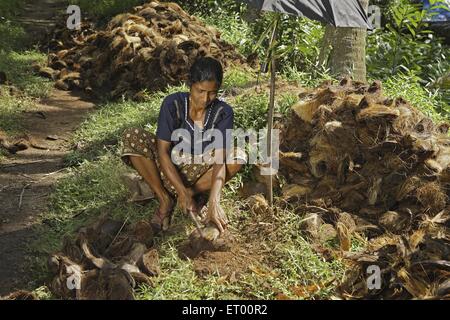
[
  {"x": 186, "y": 201},
  {"x": 216, "y": 215}
]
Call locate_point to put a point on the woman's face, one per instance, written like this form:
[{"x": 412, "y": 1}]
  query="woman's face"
[{"x": 203, "y": 93}]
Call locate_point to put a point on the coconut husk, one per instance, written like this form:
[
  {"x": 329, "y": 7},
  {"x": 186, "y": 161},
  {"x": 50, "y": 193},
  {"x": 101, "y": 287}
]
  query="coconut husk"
[
  {"x": 105, "y": 260},
  {"x": 258, "y": 205},
  {"x": 208, "y": 239},
  {"x": 295, "y": 191},
  {"x": 251, "y": 188},
  {"x": 376, "y": 166},
  {"x": 138, "y": 188},
  {"x": 157, "y": 39},
  {"x": 149, "y": 263},
  {"x": 20, "y": 295}
]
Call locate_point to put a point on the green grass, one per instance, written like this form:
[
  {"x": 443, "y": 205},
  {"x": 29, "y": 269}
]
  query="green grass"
[
  {"x": 95, "y": 187},
  {"x": 306, "y": 78},
  {"x": 17, "y": 66},
  {"x": 408, "y": 87},
  {"x": 178, "y": 279},
  {"x": 237, "y": 78},
  {"x": 292, "y": 260},
  {"x": 13, "y": 36},
  {"x": 291, "y": 263},
  {"x": 10, "y": 111},
  {"x": 16, "y": 63}
]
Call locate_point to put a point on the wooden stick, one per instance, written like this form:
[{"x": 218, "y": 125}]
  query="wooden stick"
[
  {"x": 271, "y": 109},
  {"x": 40, "y": 179},
  {"x": 21, "y": 194},
  {"x": 120, "y": 230}
]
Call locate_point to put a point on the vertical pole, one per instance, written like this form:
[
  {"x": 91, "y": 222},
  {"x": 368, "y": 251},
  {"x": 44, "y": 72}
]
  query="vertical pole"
[{"x": 271, "y": 109}]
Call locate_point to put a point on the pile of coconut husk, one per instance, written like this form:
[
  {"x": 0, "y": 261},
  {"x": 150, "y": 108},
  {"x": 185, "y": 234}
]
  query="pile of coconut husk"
[
  {"x": 20, "y": 295},
  {"x": 357, "y": 162},
  {"x": 142, "y": 51},
  {"x": 105, "y": 260}
]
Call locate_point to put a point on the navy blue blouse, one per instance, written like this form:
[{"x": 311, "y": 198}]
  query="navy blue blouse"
[{"x": 219, "y": 115}]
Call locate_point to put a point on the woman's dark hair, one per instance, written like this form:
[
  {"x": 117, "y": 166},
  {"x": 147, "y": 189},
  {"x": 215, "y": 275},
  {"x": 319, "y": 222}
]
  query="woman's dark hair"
[{"x": 206, "y": 69}]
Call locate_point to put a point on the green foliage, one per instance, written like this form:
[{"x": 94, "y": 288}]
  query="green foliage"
[
  {"x": 90, "y": 187},
  {"x": 406, "y": 45},
  {"x": 306, "y": 78},
  {"x": 8, "y": 8},
  {"x": 298, "y": 40},
  {"x": 286, "y": 101},
  {"x": 407, "y": 85},
  {"x": 232, "y": 29},
  {"x": 13, "y": 36},
  {"x": 237, "y": 77},
  {"x": 250, "y": 31},
  {"x": 209, "y": 7},
  {"x": 250, "y": 110}
]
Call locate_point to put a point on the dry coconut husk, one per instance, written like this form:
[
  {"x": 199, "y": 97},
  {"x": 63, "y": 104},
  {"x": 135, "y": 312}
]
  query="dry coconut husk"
[
  {"x": 376, "y": 166},
  {"x": 105, "y": 260},
  {"x": 141, "y": 51}
]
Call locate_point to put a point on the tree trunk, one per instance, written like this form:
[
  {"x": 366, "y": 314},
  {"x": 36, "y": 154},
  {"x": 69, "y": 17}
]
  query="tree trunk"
[
  {"x": 348, "y": 54},
  {"x": 326, "y": 46}
]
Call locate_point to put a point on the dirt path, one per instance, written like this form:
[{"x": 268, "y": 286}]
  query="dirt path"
[{"x": 27, "y": 178}]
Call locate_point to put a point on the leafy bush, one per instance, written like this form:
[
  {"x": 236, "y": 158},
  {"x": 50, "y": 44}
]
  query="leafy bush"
[
  {"x": 298, "y": 40},
  {"x": 406, "y": 45},
  {"x": 13, "y": 36},
  {"x": 250, "y": 31},
  {"x": 407, "y": 85},
  {"x": 9, "y": 7}
]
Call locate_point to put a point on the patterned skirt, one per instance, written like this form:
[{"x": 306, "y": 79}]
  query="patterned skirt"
[{"x": 139, "y": 142}]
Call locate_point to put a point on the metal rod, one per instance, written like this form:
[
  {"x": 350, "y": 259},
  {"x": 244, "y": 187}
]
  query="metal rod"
[{"x": 196, "y": 222}]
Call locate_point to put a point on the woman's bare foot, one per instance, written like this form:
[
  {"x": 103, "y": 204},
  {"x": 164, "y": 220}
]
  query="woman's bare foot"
[
  {"x": 166, "y": 204},
  {"x": 162, "y": 218}
]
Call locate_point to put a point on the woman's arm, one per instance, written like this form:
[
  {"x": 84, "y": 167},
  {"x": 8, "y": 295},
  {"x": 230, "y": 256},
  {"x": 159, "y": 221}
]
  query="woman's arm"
[
  {"x": 185, "y": 199},
  {"x": 215, "y": 211}
]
